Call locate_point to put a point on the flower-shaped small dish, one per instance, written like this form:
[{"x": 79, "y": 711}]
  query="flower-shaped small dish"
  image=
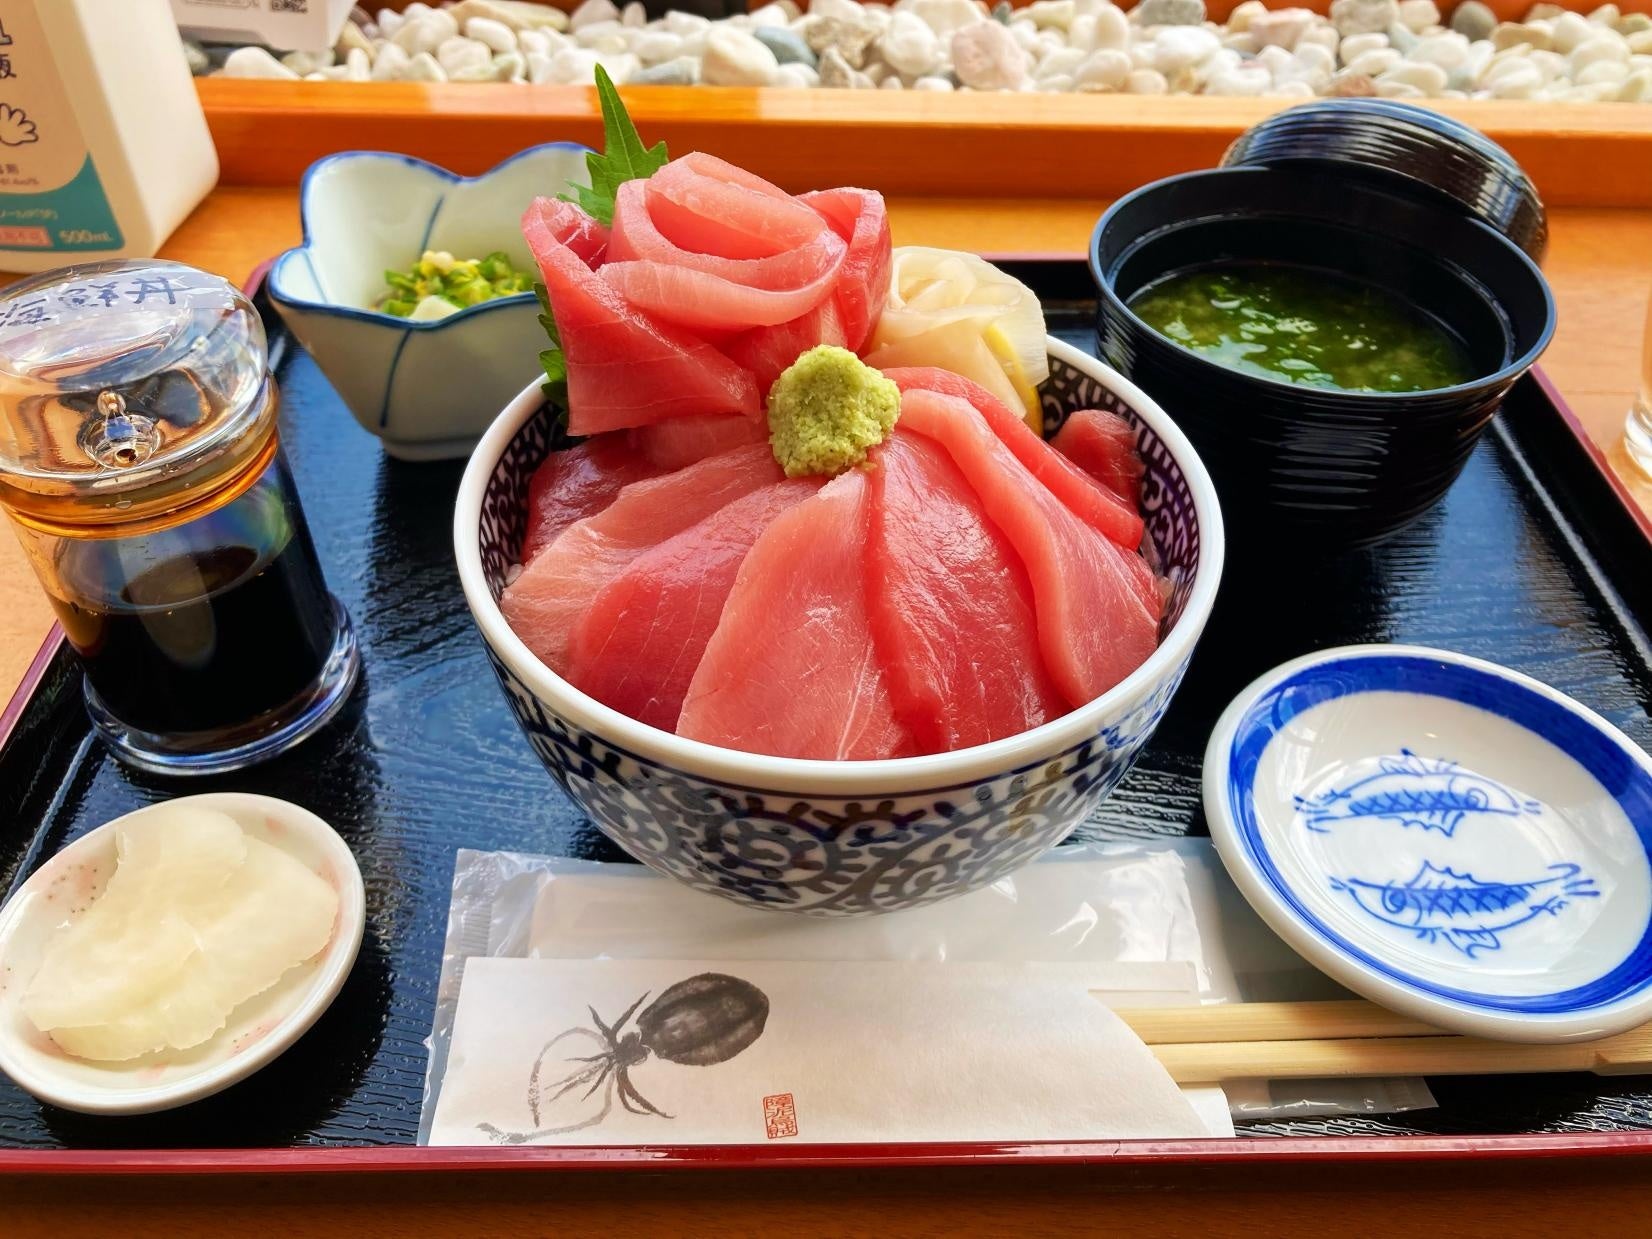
[
  {"x": 427, "y": 388},
  {"x": 1452, "y": 839},
  {"x": 257, "y": 1031}
]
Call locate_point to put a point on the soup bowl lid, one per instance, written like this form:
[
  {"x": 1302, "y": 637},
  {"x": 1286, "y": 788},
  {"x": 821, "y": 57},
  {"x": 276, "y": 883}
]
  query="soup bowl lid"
[{"x": 1412, "y": 149}]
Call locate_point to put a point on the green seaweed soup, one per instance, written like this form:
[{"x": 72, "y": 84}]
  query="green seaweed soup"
[{"x": 1304, "y": 326}]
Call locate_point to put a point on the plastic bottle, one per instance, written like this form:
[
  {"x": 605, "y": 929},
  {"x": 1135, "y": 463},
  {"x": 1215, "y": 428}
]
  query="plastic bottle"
[{"x": 103, "y": 145}]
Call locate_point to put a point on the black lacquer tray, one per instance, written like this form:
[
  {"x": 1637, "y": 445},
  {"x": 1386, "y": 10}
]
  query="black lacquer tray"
[{"x": 1535, "y": 560}]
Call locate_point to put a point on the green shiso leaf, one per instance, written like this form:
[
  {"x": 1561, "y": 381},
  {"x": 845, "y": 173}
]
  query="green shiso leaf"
[{"x": 623, "y": 159}]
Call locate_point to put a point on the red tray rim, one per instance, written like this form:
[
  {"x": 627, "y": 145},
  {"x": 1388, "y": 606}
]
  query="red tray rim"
[{"x": 356, "y": 1159}]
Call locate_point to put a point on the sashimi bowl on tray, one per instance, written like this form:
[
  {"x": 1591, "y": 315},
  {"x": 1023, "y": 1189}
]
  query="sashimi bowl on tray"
[{"x": 815, "y": 572}]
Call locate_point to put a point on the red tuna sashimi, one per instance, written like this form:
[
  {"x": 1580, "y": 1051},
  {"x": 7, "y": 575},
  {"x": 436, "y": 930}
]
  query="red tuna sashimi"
[
  {"x": 704, "y": 291},
  {"x": 1096, "y": 603},
  {"x": 706, "y": 206},
  {"x": 624, "y": 367},
  {"x": 543, "y": 604},
  {"x": 1104, "y": 446},
  {"x": 791, "y": 670},
  {"x": 951, "y": 606},
  {"x": 581, "y": 481},
  {"x": 766, "y": 351},
  {"x": 860, "y": 218},
  {"x": 637, "y": 647},
  {"x": 1094, "y": 503},
  {"x": 684, "y": 440}
]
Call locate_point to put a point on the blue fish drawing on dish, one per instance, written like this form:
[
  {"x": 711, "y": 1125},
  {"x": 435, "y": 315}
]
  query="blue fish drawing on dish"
[
  {"x": 1442, "y": 905},
  {"x": 1415, "y": 791}
]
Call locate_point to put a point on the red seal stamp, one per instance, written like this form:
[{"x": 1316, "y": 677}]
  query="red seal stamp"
[{"x": 780, "y": 1116}]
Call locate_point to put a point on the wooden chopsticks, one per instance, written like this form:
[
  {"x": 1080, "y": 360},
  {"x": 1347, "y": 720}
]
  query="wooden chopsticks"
[{"x": 1315, "y": 1040}]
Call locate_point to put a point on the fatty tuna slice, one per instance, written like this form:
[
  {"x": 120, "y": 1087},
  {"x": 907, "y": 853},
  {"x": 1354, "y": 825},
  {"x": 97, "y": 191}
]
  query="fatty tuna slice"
[
  {"x": 637, "y": 647},
  {"x": 580, "y": 481},
  {"x": 554, "y": 591},
  {"x": 1093, "y": 503},
  {"x": 859, "y": 217},
  {"x": 1097, "y": 605},
  {"x": 703, "y": 205},
  {"x": 1104, "y": 446},
  {"x": 708, "y": 292},
  {"x": 625, "y": 368},
  {"x": 950, "y": 605},
  {"x": 766, "y": 351},
  {"x": 791, "y": 669}
]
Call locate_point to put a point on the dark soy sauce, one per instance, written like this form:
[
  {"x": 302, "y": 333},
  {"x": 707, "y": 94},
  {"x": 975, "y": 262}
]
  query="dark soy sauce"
[{"x": 207, "y": 639}]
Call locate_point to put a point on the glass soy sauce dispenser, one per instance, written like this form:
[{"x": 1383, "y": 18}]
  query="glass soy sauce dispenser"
[{"x": 141, "y": 467}]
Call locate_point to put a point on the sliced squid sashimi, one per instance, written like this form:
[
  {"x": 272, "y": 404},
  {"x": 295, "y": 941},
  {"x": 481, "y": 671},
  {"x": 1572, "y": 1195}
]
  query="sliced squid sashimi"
[
  {"x": 637, "y": 647},
  {"x": 543, "y": 604},
  {"x": 706, "y": 206},
  {"x": 950, "y": 604},
  {"x": 766, "y": 351},
  {"x": 625, "y": 368},
  {"x": 708, "y": 292},
  {"x": 791, "y": 670},
  {"x": 1094, "y": 503},
  {"x": 1097, "y": 604},
  {"x": 582, "y": 480},
  {"x": 860, "y": 218},
  {"x": 684, "y": 440},
  {"x": 1104, "y": 446}
]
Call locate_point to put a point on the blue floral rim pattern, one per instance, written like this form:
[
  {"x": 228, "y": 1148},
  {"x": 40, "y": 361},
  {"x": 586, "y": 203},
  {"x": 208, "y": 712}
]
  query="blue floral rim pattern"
[{"x": 1617, "y": 771}]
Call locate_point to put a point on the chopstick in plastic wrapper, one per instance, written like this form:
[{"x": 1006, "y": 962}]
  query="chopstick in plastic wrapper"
[{"x": 1145, "y": 902}]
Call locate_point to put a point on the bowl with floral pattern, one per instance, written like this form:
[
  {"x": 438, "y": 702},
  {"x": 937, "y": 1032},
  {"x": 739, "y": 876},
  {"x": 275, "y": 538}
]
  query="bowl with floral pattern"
[
  {"x": 842, "y": 838},
  {"x": 427, "y": 388}
]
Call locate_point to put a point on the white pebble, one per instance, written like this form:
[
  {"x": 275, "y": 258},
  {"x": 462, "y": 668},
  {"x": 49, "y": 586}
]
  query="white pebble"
[
  {"x": 1430, "y": 79},
  {"x": 892, "y": 82},
  {"x": 1520, "y": 81},
  {"x": 1640, "y": 43},
  {"x": 388, "y": 21},
  {"x": 1603, "y": 47},
  {"x": 1024, "y": 33},
  {"x": 1146, "y": 82},
  {"x": 1356, "y": 45},
  {"x": 1325, "y": 36},
  {"x": 933, "y": 83},
  {"x": 1245, "y": 80},
  {"x": 945, "y": 17},
  {"x": 1182, "y": 47},
  {"x": 1064, "y": 61},
  {"x": 496, "y": 35},
  {"x": 1241, "y": 18},
  {"x": 1057, "y": 13},
  {"x": 1374, "y": 63},
  {"x": 591, "y": 12},
  {"x": 459, "y": 55},
  {"x": 1418, "y": 15},
  {"x": 390, "y": 64},
  {"x": 1398, "y": 90},
  {"x": 1281, "y": 28},
  {"x": 425, "y": 33},
  {"x": 1104, "y": 70},
  {"x": 1447, "y": 49},
  {"x": 633, "y": 15},
  {"x": 539, "y": 67},
  {"x": 1570, "y": 29},
  {"x": 910, "y": 46},
  {"x": 255, "y": 62},
  {"x": 735, "y": 58},
  {"x": 654, "y": 46},
  {"x": 1602, "y": 71},
  {"x": 986, "y": 56},
  {"x": 798, "y": 77},
  {"x": 773, "y": 16},
  {"x": 358, "y": 66},
  {"x": 531, "y": 42},
  {"x": 424, "y": 68},
  {"x": 1637, "y": 87}
]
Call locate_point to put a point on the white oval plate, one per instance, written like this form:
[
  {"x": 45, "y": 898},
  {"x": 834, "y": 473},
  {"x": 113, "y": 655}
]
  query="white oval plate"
[
  {"x": 1449, "y": 838},
  {"x": 257, "y": 1031}
]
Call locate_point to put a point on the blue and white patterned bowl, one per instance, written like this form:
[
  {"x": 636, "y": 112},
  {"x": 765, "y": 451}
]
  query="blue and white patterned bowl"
[
  {"x": 844, "y": 838},
  {"x": 1447, "y": 837},
  {"x": 428, "y": 389}
]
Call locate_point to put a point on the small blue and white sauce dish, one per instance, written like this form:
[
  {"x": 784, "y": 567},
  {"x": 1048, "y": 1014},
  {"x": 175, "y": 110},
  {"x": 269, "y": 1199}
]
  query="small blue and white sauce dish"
[
  {"x": 427, "y": 388},
  {"x": 1447, "y": 837}
]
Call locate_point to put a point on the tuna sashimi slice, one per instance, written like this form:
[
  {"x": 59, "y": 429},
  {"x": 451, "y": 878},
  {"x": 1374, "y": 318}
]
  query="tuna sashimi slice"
[
  {"x": 1097, "y": 612},
  {"x": 571, "y": 226},
  {"x": 580, "y": 481},
  {"x": 684, "y": 440},
  {"x": 950, "y": 605},
  {"x": 706, "y": 206},
  {"x": 637, "y": 647},
  {"x": 859, "y": 217},
  {"x": 1104, "y": 446},
  {"x": 766, "y": 351},
  {"x": 624, "y": 367},
  {"x": 791, "y": 669},
  {"x": 708, "y": 292},
  {"x": 543, "y": 604},
  {"x": 1096, "y": 505}
]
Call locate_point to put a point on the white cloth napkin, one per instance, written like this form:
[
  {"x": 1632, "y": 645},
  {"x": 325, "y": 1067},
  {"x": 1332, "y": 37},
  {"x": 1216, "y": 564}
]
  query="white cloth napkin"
[{"x": 849, "y": 1051}]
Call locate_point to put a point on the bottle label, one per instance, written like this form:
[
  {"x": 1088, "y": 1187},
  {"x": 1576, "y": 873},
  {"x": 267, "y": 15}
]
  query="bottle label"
[{"x": 50, "y": 194}]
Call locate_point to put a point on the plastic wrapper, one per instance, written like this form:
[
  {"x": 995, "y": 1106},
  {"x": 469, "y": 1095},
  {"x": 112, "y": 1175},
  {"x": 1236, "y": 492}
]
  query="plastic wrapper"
[{"x": 1159, "y": 901}]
